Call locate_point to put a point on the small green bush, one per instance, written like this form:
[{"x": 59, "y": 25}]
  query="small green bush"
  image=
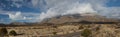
[
  {"x": 3, "y": 31},
  {"x": 13, "y": 33},
  {"x": 86, "y": 33}
]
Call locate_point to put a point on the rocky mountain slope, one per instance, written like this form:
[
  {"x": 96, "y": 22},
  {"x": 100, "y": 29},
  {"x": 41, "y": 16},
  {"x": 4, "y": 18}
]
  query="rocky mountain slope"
[{"x": 78, "y": 18}]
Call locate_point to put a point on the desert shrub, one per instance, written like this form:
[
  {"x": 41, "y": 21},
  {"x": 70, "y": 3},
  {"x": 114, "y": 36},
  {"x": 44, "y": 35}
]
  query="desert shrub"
[
  {"x": 86, "y": 33},
  {"x": 88, "y": 26},
  {"x": 54, "y": 26},
  {"x": 54, "y": 33},
  {"x": 97, "y": 28},
  {"x": 3, "y": 31},
  {"x": 13, "y": 33},
  {"x": 80, "y": 27}
]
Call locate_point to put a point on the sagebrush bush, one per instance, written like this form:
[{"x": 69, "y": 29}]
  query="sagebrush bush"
[
  {"x": 3, "y": 31},
  {"x": 97, "y": 28},
  {"x": 54, "y": 33},
  {"x": 81, "y": 27},
  {"x": 86, "y": 33},
  {"x": 54, "y": 26},
  {"x": 13, "y": 33}
]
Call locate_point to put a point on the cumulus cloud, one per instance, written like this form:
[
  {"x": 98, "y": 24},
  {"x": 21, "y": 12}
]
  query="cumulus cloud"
[
  {"x": 21, "y": 16},
  {"x": 16, "y": 16},
  {"x": 76, "y": 8},
  {"x": 27, "y": 16},
  {"x": 80, "y": 9},
  {"x": 63, "y": 7}
]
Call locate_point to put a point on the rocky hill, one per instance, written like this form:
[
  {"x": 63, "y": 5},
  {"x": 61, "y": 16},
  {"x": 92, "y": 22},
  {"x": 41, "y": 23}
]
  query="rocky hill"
[{"x": 78, "y": 18}]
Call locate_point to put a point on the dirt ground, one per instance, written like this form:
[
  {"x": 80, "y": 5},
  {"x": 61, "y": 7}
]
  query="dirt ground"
[{"x": 66, "y": 30}]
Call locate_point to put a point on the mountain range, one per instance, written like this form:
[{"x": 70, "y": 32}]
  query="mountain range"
[{"x": 71, "y": 18}]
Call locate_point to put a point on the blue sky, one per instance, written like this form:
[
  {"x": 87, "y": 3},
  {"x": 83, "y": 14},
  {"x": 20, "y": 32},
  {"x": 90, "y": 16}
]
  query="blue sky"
[
  {"x": 36, "y": 10},
  {"x": 115, "y": 3}
]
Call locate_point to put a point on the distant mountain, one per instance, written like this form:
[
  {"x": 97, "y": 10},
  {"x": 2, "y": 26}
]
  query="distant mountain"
[
  {"x": 2, "y": 24},
  {"x": 77, "y": 18},
  {"x": 17, "y": 23},
  {"x": 70, "y": 18}
]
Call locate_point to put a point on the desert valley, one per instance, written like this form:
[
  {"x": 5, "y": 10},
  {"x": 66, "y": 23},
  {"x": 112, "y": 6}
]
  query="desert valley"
[{"x": 66, "y": 26}]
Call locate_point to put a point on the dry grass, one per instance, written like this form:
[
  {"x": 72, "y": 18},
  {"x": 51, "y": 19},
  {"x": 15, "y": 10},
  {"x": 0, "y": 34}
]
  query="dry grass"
[{"x": 106, "y": 30}]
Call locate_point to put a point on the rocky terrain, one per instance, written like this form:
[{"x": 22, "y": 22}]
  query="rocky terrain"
[
  {"x": 78, "y": 18},
  {"x": 67, "y": 30}
]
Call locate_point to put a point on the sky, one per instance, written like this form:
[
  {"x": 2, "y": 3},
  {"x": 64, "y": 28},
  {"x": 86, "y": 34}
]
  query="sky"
[{"x": 38, "y": 10}]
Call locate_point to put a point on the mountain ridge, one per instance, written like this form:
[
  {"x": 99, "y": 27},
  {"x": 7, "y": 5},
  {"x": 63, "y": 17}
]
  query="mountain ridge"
[{"x": 78, "y": 18}]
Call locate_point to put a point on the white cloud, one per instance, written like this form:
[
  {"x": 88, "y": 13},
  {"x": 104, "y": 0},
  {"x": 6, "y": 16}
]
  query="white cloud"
[
  {"x": 16, "y": 16},
  {"x": 81, "y": 8},
  {"x": 28, "y": 16},
  {"x": 22, "y": 16},
  {"x": 60, "y": 7}
]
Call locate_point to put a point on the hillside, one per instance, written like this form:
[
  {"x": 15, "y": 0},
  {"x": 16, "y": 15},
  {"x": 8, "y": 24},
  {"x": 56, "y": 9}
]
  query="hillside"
[{"x": 78, "y": 18}]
